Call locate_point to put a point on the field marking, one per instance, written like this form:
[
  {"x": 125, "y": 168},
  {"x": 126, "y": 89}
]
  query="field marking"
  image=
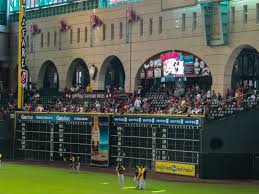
[
  {"x": 128, "y": 187},
  {"x": 161, "y": 191},
  {"x": 104, "y": 183}
]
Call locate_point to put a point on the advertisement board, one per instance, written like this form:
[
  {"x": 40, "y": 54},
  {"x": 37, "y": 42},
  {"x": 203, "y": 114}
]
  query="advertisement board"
[
  {"x": 100, "y": 143},
  {"x": 109, "y": 3},
  {"x": 152, "y": 120},
  {"x": 175, "y": 168}
]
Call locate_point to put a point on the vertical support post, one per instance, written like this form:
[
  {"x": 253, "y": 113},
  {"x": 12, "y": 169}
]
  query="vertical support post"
[
  {"x": 7, "y": 11},
  {"x": 130, "y": 42}
]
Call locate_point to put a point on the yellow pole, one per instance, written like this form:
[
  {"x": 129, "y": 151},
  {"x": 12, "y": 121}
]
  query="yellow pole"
[{"x": 21, "y": 52}]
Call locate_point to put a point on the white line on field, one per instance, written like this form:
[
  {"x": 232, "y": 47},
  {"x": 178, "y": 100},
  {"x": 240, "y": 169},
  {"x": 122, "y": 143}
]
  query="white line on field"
[
  {"x": 104, "y": 183},
  {"x": 161, "y": 191},
  {"x": 129, "y": 187}
]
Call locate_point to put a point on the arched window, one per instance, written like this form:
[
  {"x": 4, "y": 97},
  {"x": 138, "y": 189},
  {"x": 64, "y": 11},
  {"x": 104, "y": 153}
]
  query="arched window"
[
  {"x": 51, "y": 77},
  {"x": 78, "y": 74},
  {"x": 246, "y": 69},
  {"x": 115, "y": 74}
]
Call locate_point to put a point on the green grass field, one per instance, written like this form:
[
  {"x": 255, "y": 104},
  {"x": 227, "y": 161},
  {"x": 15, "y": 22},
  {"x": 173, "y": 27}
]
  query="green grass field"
[{"x": 25, "y": 179}]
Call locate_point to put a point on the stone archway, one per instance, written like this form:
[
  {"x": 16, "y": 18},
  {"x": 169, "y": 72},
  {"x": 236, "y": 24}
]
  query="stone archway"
[
  {"x": 112, "y": 73},
  {"x": 77, "y": 74},
  {"x": 48, "y": 76},
  {"x": 232, "y": 61}
]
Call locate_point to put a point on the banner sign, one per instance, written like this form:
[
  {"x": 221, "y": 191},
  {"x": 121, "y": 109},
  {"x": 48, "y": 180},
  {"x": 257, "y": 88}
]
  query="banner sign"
[
  {"x": 87, "y": 96},
  {"x": 180, "y": 121},
  {"x": 100, "y": 143},
  {"x": 54, "y": 117},
  {"x": 108, "y": 3},
  {"x": 24, "y": 72},
  {"x": 209, "y": 1},
  {"x": 175, "y": 168}
]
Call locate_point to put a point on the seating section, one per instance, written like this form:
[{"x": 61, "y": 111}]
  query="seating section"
[
  {"x": 157, "y": 99},
  {"x": 153, "y": 102},
  {"x": 218, "y": 111}
]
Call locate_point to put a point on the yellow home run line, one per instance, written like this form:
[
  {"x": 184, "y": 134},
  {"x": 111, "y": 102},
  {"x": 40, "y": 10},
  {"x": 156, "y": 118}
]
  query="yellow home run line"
[{"x": 161, "y": 191}]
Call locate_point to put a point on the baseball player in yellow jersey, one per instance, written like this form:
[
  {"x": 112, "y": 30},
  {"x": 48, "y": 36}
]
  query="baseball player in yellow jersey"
[
  {"x": 120, "y": 171},
  {"x": 142, "y": 177},
  {"x": 136, "y": 177}
]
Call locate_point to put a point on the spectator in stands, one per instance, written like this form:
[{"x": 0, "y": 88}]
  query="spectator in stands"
[{"x": 137, "y": 104}]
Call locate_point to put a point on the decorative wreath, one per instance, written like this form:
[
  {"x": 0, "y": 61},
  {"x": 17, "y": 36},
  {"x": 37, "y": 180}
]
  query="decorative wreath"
[
  {"x": 35, "y": 29},
  {"x": 95, "y": 21},
  {"x": 132, "y": 16},
  {"x": 63, "y": 26}
]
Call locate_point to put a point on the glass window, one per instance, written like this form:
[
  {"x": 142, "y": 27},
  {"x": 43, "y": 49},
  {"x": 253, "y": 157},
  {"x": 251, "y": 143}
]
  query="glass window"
[
  {"x": 41, "y": 40},
  {"x": 245, "y": 14},
  {"x": 78, "y": 35},
  {"x": 141, "y": 27},
  {"x": 55, "y": 38},
  {"x": 71, "y": 36},
  {"x": 86, "y": 34},
  {"x": 104, "y": 31},
  {"x": 112, "y": 31},
  {"x": 194, "y": 21},
  {"x": 233, "y": 15},
  {"x": 121, "y": 29},
  {"x": 160, "y": 27},
  {"x": 27, "y": 41},
  {"x": 150, "y": 26},
  {"x": 48, "y": 39},
  {"x": 183, "y": 21},
  {"x": 257, "y": 13}
]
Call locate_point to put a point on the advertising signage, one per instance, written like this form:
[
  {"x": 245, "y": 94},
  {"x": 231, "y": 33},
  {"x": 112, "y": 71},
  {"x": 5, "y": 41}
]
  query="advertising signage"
[
  {"x": 109, "y": 3},
  {"x": 153, "y": 120},
  {"x": 53, "y": 117}
]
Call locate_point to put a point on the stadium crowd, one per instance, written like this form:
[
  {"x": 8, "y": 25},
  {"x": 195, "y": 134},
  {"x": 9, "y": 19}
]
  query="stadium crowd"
[{"x": 191, "y": 101}]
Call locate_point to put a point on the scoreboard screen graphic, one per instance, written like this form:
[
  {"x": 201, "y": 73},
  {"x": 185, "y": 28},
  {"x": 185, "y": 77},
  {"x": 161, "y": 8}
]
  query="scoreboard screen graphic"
[{"x": 53, "y": 137}]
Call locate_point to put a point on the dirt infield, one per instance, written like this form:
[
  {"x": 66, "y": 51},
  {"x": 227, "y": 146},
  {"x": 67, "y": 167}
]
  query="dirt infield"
[{"x": 151, "y": 174}]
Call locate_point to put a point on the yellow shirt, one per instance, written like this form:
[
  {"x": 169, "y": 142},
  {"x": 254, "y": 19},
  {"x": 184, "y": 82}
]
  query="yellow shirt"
[
  {"x": 139, "y": 172},
  {"x": 142, "y": 173}
]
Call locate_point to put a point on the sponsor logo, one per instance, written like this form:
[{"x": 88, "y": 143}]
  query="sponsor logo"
[{"x": 26, "y": 117}]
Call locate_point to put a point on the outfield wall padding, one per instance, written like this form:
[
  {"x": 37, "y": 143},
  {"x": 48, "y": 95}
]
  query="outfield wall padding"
[{"x": 226, "y": 166}]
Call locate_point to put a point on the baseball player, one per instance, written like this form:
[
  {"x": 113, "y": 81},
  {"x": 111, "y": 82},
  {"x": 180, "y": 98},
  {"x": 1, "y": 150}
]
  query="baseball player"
[{"x": 120, "y": 171}]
